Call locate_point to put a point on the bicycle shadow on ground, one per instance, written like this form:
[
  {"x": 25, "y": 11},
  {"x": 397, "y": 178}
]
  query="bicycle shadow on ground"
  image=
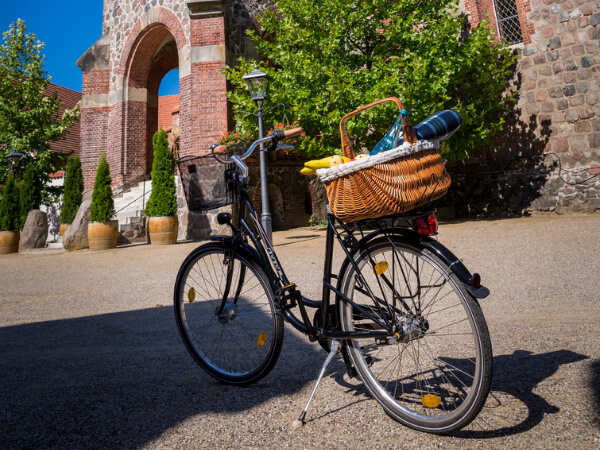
[
  {"x": 119, "y": 381},
  {"x": 512, "y": 406}
]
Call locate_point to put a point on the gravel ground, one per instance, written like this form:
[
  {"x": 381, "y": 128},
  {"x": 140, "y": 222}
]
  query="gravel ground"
[{"x": 90, "y": 356}]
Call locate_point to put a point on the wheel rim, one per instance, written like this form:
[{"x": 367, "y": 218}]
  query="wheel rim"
[
  {"x": 430, "y": 372},
  {"x": 239, "y": 341}
]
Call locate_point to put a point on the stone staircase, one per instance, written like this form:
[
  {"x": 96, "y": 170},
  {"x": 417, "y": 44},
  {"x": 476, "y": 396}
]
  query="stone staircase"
[{"x": 129, "y": 207}]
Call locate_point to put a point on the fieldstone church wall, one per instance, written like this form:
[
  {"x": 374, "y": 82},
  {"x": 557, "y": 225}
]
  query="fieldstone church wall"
[{"x": 549, "y": 157}]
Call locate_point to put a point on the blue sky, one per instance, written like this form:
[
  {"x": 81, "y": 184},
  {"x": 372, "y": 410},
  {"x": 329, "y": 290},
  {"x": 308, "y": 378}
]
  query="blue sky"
[{"x": 68, "y": 28}]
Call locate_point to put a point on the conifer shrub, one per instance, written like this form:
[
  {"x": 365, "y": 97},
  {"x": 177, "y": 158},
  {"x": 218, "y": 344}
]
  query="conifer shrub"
[
  {"x": 73, "y": 191},
  {"x": 31, "y": 193},
  {"x": 9, "y": 207},
  {"x": 103, "y": 205},
  {"x": 162, "y": 201}
]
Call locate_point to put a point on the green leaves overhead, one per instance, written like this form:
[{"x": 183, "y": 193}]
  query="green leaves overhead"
[
  {"x": 29, "y": 119},
  {"x": 326, "y": 58}
]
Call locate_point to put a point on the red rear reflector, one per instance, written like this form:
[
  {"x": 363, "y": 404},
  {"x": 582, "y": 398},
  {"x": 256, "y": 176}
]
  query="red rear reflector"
[{"x": 426, "y": 225}]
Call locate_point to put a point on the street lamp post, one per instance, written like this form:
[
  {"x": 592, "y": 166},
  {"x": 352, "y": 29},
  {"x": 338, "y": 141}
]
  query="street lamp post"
[
  {"x": 13, "y": 159},
  {"x": 257, "y": 82}
]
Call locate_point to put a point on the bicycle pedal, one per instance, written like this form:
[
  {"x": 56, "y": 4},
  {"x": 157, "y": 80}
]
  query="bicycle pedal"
[{"x": 288, "y": 296}]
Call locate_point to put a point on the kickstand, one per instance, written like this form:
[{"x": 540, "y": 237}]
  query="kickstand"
[{"x": 335, "y": 348}]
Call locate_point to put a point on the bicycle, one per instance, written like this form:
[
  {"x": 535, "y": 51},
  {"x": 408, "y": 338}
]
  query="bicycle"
[{"x": 402, "y": 309}]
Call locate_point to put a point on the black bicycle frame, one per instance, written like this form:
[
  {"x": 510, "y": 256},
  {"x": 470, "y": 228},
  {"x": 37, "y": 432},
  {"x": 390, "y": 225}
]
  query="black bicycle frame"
[{"x": 263, "y": 250}]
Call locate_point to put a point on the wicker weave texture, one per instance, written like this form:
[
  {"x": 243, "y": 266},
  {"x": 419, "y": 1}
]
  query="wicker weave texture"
[{"x": 387, "y": 188}]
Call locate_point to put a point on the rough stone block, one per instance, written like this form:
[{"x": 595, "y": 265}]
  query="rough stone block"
[
  {"x": 571, "y": 65},
  {"x": 560, "y": 145},
  {"x": 569, "y": 90},
  {"x": 556, "y": 92},
  {"x": 529, "y": 50},
  {"x": 586, "y": 61},
  {"x": 76, "y": 237},
  {"x": 35, "y": 231},
  {"x": 572, "y": 115},
  {"x": 570, "y": 77},
  {"x": 586, "y": 113},
  {"x": 582, "y": 87},
  {"x": 578, "y": 100},
  {"x": 553, "y": 55},
  {"x": 547, "y": 107},
  {"x": 562, "y": 104},
  {"x": 582, "y": 126},
  {"x": 595, "y": 19},
  {"x": 585, "y": 74},
  {"x": 594, "y": 140},
  {"x": 539, "y": 59},
  {"x": 555, "y": 43}
]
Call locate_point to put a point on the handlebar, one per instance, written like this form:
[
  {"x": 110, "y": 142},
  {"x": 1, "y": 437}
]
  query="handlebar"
[{"x": 273, "y": 138}]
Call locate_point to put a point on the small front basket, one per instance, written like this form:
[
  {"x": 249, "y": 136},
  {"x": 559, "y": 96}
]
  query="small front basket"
[
  {"x": 390, "y": 185},
  {"x": 205, "y": 182}
]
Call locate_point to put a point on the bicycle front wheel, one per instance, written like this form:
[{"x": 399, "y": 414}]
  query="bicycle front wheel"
[
  {"x": 434, "y": 373},
  {"x": 226, "y": 315}
]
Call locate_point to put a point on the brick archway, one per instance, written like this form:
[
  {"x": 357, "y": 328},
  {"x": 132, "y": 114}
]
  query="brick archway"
[{"x": 150, "y": 52}]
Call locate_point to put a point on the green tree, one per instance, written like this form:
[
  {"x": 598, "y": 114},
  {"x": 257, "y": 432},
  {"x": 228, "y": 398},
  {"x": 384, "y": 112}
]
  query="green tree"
[
  {"x": 326, "y": 58},
  {"x": 162, "y": 201},
  {"x": 29, "y": 115},
  {"x": 9, "y": 206},
  {"x": 73, "y": 191},
  {"x": 31, "y": 193},
  {"x": 103, "y": 205}
]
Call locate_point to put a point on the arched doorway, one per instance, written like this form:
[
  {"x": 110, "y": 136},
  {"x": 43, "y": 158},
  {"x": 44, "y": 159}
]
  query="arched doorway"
[{"x": 153, "y": 56}]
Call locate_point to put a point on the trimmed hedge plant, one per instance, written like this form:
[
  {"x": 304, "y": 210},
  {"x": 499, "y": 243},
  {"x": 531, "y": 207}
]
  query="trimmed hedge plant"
[
  {"x": 163, "y": 200},
  {"x": 31, "y": 193},
  {"x": 103, "y": 205},
  {"x": 73, "y": 191},
  {"x": 9, "y": 207}
]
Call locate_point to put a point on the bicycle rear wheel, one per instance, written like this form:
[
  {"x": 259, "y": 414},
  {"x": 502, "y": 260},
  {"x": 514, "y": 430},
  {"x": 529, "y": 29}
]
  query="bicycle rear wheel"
[
  {"x": 435, "y": 374},
  {"x": 241, "y": 345}
]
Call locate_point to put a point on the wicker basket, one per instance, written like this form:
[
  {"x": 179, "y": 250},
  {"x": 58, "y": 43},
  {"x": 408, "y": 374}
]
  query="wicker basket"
[{"x": 391, "y": 182}]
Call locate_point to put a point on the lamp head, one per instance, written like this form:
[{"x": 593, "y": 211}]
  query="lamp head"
[{"x": 257, "y": 82}]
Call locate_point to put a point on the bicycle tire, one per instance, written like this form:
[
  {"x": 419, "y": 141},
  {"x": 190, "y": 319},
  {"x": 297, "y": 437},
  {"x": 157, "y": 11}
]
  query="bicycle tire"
[
  {"x": 437, "y": 377},
  {"x": 241, "y": 346}
]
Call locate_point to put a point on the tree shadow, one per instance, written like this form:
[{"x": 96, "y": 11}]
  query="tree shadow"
[
  {"x": 118, "y": 381},
  {"x": 505, "y": 178}
]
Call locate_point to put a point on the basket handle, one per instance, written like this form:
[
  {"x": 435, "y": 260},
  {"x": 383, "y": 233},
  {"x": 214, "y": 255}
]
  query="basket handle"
[{"x": 407, "y": 128}]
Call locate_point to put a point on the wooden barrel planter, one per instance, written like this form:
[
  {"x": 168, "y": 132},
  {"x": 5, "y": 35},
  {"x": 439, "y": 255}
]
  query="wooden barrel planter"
[
  {"x": 103, "y": 235},
  {"x": 9, "y": 242},
  {"x": 63, "y": 229},
  {"x": 163, "y": 230}
]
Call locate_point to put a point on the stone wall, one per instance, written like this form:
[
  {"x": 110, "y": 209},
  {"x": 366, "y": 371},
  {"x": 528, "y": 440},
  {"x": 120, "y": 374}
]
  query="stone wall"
[{"x": 548, "y": 158}]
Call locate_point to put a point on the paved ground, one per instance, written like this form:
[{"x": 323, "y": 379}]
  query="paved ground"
[{"x": 90, "y": 356}]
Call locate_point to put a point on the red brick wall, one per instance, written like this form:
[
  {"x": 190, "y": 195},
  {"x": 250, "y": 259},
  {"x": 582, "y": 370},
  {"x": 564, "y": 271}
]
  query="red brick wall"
[{"x": 480, "y": 10}]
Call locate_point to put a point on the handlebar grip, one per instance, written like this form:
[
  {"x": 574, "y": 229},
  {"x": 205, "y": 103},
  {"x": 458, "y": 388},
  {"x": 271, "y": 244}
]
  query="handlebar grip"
[
  {"x": 220, "y": 149},
  {"x": 292, "y": 132}
]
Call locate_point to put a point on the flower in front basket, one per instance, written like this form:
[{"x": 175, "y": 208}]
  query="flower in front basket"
[{"x": 236, "y": 139}]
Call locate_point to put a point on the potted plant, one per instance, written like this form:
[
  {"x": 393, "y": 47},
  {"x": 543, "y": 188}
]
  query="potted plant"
[
  {"x": 9, "y": 218},
  {"x": 161, "y": 209},
  {"x": 30, "y": 194},
  {"x": 102, "y": 231},
  {"x": 73, "y": 194}
]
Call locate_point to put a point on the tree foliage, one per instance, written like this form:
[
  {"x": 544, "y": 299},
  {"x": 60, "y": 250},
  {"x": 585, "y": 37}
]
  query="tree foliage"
[
  {"x": 103, "y": 205},
  {"x": 162, "y": 201},
  {"x": 9, "y": 206},
  {"x": 73, "y": 191},
  {"x": 31, "y": 193},
  {"x": 29, "y": 119},
  {"x": 326, "y": 58}
]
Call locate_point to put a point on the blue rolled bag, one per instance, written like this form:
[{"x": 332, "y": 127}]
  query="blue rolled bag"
[{"x": 439, "y": 126}]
